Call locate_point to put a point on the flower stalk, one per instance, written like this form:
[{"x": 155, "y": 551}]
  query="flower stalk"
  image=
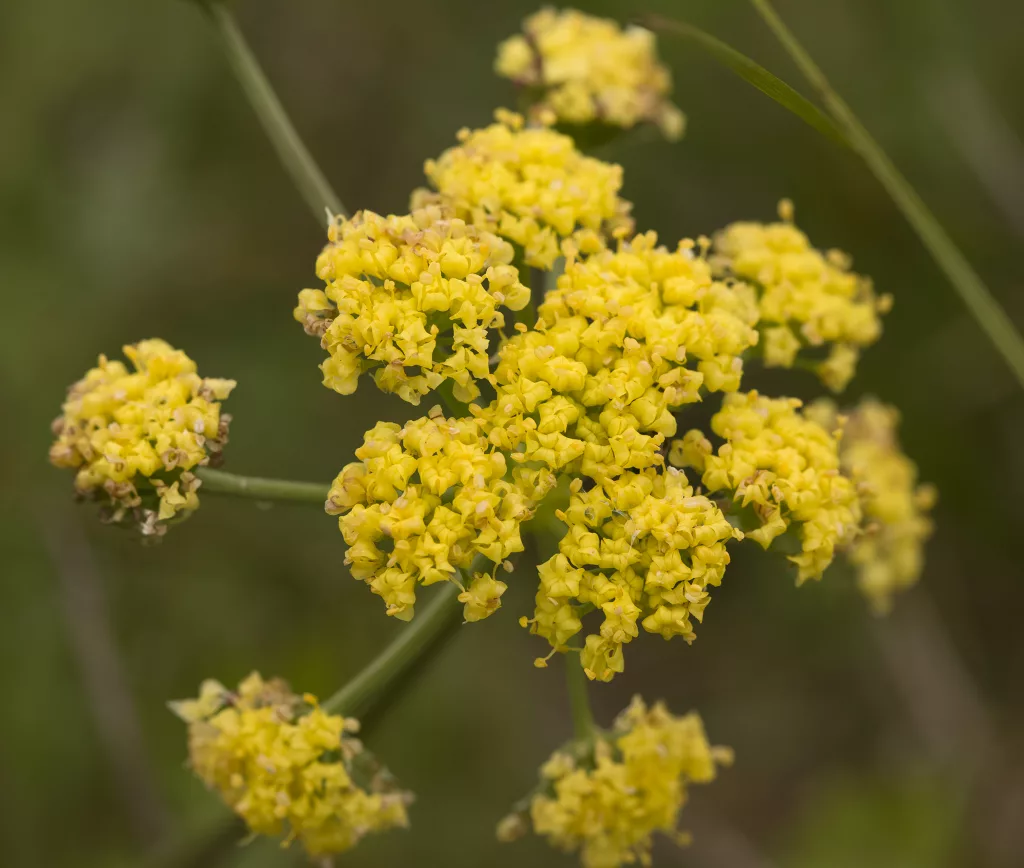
[
  {"x": 363, "y": 691},
  {"x": 260, "y": 488},
  {"x": 583, "y": 725},
  {"x": 311, "y": 183}
]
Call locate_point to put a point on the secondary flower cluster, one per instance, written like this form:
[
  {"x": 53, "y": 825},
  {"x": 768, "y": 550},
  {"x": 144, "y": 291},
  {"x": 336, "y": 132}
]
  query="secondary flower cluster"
[
  {"x": 133, "y": 436},
  {"x": 607, "y": 797},
  {"x": 889, "y": 555},
  {"x": 782, "y": 468},
  {"x": 285, "y": 766},
  {"x": 531, "y": 185},
  {"x": 808, "y": 299},
  {"x": 586, "y": 70},
  {"x": 423, "y": 501},
  {"x": 411, "y": 298},
  {"x": 626, "y": 338}
]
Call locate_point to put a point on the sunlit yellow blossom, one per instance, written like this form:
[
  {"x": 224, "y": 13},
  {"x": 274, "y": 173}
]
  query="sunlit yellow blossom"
[
  {"x": 587, "y": 69},
  {"x": 626, "y": 338},
  {"x": 607, "y": 798},
  {"x": 782, "y": 468},
  {"x": 808, "y": 299},
  {"x": 287, "y": 767},
  {"x": 889, "y": 555},
  {"x": 410, "y": 298},
  {"x": 422, "y": 501},
  {"x": 529, "y": 185},
  {"x": 133, "y": 436},
  {"x": 643, "y": 549}
]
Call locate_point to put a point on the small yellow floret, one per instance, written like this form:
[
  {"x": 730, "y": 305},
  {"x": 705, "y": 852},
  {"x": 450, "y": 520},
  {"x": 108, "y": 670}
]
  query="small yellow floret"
[
  {"x": 586, "y": 69},
  {"x": 422, "y": 501},
  {"x": 411, "y": 299},
  {"x": 807, "y": 298},
  {"x": 889, "y": 555},
  {"x": 607, "y": 798},
  {"x": 133, "y": 436},
  {"x": 287, "y": 767},
  {"x": 783, "y": 468},
  {"x": 529, "y": 185}
]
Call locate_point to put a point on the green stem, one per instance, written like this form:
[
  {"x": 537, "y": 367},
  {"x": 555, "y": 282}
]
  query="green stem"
[
  {"x": 576, "y": 680},
  {"x": 219, "y": 482},
  {"x": 306, "y": 175},
  {"x": 990, "y": 315},
  {"x": 393, "y": 662}
]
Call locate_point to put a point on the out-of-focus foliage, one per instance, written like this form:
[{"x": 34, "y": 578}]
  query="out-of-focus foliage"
[{"x": 139, "y": 197}]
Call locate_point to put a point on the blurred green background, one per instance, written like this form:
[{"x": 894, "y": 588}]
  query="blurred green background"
[{"x": 140, "y": 198}]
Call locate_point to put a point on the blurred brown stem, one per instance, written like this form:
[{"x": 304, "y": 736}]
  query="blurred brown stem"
[{"x": 109, "y": 699}]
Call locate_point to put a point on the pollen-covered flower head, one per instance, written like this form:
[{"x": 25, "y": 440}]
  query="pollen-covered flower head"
[
  {"x": 287, "y": 767},
  {"x": 528, "y": 184},
  {"x": 606, "y": 798},
  {"x": 889, "y": 554},
  {"x": 423, "y": 501},
  {"x": 782, "y": 470},
  {"x": 626, "y": 338},
  {"x": 411, "y": 299},
  {"x": 586, "y": 69},
  {"x": 133, "y": 435},
  {"x": 812, "y": 305}
]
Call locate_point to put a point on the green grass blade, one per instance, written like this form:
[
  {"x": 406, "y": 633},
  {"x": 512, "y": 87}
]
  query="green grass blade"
[
  {"x": 309, "y": 180},
  {"x": 983, "y": 306},
  {"x": 751, "y": 72}
]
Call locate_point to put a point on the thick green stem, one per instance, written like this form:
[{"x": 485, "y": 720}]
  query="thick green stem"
[
  {"x": 300, "y": 165},
  {"x": 972, "y": 290},
  {"x": 393, "y": 662},
  {"x": 576, "y": 680},
  {"x": 258, "y": 488}
]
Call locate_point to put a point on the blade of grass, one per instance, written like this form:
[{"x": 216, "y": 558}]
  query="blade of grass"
[
  {"x": 753, "y": 73},
  {"x": 984, "y": 307},
  {"x": 311, "y": 183}
]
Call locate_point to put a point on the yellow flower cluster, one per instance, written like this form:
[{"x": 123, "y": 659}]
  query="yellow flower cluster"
[
  {"x": 807, "y": 298},
  {"x": 643, "y": 549},
  {"x": 586, "y": 69},
  {"x": 425, "y": 499},
  {"x": 411, "y": 298},
  {"x": 606, "y": 799},
  {"x": 287, "y": 767},
  {"x": 133, "y": 436},
  {"x": 590, "y": 392},
  {"x": 889, "y": 555},
  {"x": 529, "y": 185},
  {"x": 781, "y": 467}
]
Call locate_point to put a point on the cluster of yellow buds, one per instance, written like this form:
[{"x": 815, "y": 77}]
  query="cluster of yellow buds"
[
  {"x": 286, "y": 767},
  {"x": 808, "y": 299},
  {"x": 411, "y": 298},
  {"x": 528, "y": 184},
  {"x": 134, "y": 436},
  {"x": 781, "y": 468},
  {"x": 422, "y": 502},
  {"x": 590, "y": 393},
  {"x": 889, "y": 554},
  {"x": 586, "y": 70},
  {"x": 606, "y": 798}
]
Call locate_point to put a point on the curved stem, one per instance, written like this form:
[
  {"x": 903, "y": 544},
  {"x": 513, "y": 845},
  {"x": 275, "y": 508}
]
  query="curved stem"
[
  {"x": 361, "y": 692},
  {"x": 991, "y": 316},
  {"x": 219, "y": 482},
  {"x": 300, "y": 165},
  {"x": 576, "y": 680}
]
